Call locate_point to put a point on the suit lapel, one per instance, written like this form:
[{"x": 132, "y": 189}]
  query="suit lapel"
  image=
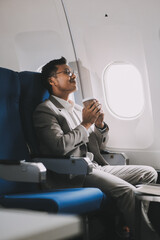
[
  {"x": 56, "y": 103},
  {"x": 61, "y": 110}
]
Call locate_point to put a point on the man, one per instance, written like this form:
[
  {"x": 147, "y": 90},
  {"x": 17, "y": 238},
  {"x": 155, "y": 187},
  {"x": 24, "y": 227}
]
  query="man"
[{"x": 64, "y": 129}]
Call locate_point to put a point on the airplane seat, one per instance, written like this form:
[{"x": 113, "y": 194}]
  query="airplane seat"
[
  {"x": 20, "y": 180},
  {"x": 32, "y": 94},
  {"x": 12, "y": 142}
]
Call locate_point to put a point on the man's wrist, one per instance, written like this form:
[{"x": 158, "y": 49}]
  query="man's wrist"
[
  {"x": 86, "y": 125},
  {"x": 105, "y": 127},
  {"x": 100, "y": 126}
]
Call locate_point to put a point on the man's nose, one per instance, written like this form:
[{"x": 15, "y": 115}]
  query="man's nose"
[{"x": 74, "y": 75}]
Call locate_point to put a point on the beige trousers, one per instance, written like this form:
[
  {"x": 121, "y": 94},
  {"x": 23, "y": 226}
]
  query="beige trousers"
[{"x": 118, "y": 182}]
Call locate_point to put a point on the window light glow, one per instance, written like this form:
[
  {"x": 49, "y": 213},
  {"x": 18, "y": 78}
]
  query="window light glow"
[{"x": 123, "y": 90}]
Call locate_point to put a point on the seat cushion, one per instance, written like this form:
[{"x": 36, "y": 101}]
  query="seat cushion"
[{"x": 73, "y": 201}]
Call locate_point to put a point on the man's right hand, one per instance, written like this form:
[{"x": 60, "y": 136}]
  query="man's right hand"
[{"x": 91, "y": 113}]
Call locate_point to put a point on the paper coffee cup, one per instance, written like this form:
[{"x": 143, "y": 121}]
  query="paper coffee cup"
[{"x": 87, "y": 101}]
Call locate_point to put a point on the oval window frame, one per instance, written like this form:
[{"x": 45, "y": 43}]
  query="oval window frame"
[{"x": 105, "y": 88}]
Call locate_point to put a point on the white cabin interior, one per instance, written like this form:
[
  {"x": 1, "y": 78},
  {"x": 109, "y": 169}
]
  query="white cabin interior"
[
  {"x": 105, "y": 40},
  {"x": 115, "y": 47}
]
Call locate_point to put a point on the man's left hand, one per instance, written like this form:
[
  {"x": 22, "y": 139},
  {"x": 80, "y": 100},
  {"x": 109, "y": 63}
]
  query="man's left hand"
[{"x": 100, "y": 120}]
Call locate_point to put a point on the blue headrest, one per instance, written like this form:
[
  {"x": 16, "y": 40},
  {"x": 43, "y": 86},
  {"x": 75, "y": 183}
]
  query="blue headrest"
[
  {"x": 12, "y": 144},
  {"x": 32, "y": 94}
]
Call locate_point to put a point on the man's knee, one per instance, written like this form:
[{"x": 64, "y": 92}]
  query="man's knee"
[
  {"x": 155, "y": 175},
  {"x": 151, "y": 175}
]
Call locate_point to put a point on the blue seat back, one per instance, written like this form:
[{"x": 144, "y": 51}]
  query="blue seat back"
[
  {"x": 32, "y": 94},
  {"x": 12, "y": 144},
  {"x": 13, "y": 147}
]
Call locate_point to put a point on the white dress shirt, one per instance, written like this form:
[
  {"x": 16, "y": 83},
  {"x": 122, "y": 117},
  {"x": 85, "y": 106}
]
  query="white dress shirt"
[
  {"x": 71, "y": 114},
  {"x": 73, "y": 118}
]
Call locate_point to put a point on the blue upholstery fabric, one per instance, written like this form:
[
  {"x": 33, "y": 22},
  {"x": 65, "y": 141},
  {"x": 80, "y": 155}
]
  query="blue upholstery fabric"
[
  {"x": 12, "y": 144},
  {"x": 10, "y": 187},
  {"x": 74, "y": 201},
  {"x": 32, "y": 93}
]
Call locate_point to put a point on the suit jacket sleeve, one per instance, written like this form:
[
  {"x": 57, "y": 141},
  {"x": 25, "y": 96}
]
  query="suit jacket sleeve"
[{"x": 102, "y": 137}]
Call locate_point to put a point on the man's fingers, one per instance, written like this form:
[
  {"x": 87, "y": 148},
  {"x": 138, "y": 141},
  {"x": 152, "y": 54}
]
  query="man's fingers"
[
  {"x": 91, "y": 104},
  {"x": 95, "y": 106}
]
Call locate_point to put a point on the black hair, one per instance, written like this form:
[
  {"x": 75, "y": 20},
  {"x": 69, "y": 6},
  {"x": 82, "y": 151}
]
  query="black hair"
[{"x": 49, "y": 70}]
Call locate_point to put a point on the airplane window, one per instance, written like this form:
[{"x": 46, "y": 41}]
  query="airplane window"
[{"x": 123, "y": 90}]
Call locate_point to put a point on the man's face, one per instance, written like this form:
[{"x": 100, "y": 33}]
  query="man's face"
[{"x": 64, "y": 79}]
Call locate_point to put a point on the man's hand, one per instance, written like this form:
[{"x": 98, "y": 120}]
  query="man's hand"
[
  {"x": 100, "y": 120},
  {"x": 91, "y": 113}
]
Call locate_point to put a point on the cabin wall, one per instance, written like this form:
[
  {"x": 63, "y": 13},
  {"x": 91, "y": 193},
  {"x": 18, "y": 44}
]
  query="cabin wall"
[
  {"x": 99, "y": 34},
  {"x": 106, "y": 32},
  {"x": 32, "y": 33}
]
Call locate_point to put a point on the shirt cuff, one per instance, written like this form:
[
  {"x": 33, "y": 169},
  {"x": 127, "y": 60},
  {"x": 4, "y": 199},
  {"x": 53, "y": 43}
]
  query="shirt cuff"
[{"x": 85, "y": 130}]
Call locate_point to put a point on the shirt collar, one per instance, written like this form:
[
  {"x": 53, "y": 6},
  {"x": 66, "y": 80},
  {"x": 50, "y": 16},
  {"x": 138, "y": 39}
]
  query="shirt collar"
[{"x": 68, "y": 105}]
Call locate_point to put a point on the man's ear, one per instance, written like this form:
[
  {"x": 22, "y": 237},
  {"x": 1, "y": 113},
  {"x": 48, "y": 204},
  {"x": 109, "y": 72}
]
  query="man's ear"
[{"x": 52, "y": 81}]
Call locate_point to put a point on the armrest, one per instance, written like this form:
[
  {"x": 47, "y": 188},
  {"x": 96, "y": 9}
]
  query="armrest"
[
  {"x": 23, "y": 172},
  {"x": 115, "y": 158},
  {"x": 72, "y": 165}
]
